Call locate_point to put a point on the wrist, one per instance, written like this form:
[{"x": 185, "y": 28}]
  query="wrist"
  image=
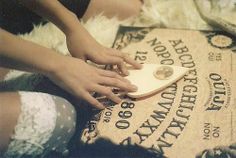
[
  {"x": 71, "y": 24},
  {"x": 53, "y": 65}
]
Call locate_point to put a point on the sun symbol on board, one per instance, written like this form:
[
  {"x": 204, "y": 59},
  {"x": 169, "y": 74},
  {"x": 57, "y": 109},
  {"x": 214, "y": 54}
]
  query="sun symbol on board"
[{"x": 221, "y": 40}]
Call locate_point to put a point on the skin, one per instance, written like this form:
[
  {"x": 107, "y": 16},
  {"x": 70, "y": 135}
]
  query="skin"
[
  {"x": 7, "y": 123},
  {"x": 88, "y": 49},
  {"x": 16, "y": 53},
  {"x": 110, "y": 8}
]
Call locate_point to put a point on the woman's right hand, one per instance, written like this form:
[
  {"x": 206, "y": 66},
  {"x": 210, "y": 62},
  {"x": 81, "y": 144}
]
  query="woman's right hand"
[{"x": 80, "y": 79}]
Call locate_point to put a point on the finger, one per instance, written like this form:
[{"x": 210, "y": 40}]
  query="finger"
[
  {"x": 111, "y": 74},
  {"x": 114, "y": 60},
  {"x": 127, "y": 59},
  {"x": 132, "y": 62},
  {"x": 113, "y": 82},
  {"x": 107, "y": 92},
  {"x": 106, "y": 58},
  {"x": 119, "y": 62},
  {"x": 123, "y": 68},
  {"x": 86, "y": 96}
]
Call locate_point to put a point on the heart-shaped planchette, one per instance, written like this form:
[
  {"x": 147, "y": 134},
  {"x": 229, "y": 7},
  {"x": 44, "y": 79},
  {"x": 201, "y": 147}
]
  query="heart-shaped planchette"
[{"x": 153, "y": 78}]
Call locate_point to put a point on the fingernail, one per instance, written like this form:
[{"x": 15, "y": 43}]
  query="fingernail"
[
  {"x": 126, "y": 73},
  {"x": 140, "y": 66},
  {"x": 126, "y": 80},
  {"x": 120, "y": 100},
  {"x": 101, "y": 107},
  {"x": 134, "y": 87}
]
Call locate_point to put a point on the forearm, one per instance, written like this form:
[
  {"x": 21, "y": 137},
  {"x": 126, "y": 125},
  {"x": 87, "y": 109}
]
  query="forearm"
[
  {"x": 55, "y": 12},
  {"x": 24, "y": 55}
]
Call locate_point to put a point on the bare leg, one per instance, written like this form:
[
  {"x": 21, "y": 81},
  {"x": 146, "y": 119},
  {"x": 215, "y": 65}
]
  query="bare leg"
[
  {"x": 120, "y": 8},
  {"x": 9, "y": 113}
]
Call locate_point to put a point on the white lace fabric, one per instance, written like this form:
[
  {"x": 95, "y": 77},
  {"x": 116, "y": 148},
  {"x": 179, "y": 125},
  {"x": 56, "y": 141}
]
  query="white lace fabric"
[{"x": 35, "y": 125}]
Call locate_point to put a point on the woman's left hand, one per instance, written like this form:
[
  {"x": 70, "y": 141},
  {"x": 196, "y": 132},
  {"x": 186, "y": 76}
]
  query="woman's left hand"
[{"x": 82, "y": 45}]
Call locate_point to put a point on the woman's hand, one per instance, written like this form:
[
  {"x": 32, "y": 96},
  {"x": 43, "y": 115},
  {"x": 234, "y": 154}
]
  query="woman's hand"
[
  {"x": 80, "y": 79},
  {"x": 82, "y": 45},
  {"x": 72, "y": 74}
]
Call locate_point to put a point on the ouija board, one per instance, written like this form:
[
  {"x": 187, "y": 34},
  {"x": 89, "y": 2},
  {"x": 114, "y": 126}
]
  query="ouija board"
[{"x": 188, "y": 118}]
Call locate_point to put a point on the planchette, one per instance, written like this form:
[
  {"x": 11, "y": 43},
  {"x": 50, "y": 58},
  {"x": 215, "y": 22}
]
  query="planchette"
[{"x": 153, "y": 78}]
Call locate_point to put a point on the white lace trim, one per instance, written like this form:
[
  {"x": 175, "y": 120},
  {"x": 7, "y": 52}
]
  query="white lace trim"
[{"x": 35, "y": 124}]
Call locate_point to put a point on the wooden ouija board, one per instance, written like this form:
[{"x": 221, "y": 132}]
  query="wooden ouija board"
[{"x": 187, "y": 118}]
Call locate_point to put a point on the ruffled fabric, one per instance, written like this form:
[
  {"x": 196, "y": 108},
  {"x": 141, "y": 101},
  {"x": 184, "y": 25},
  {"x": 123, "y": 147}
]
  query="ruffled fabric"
[{"x": 35, "y": 125}]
